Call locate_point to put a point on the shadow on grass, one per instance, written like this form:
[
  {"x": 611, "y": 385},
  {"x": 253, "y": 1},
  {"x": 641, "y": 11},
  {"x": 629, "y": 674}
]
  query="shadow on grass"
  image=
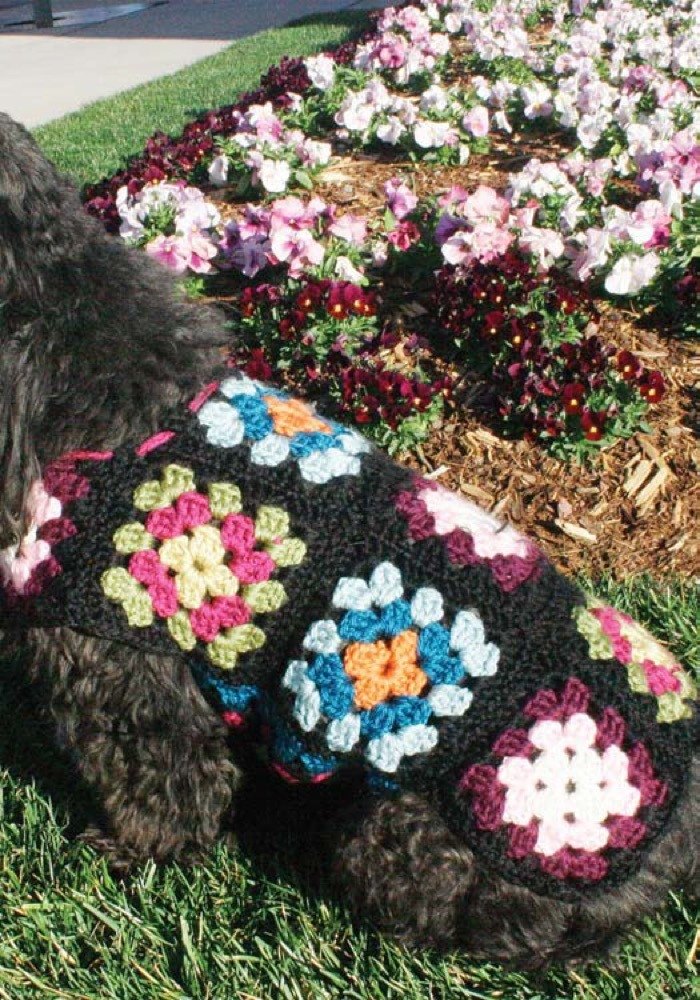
[
  {"x": 28, "y": 750},
  {"x": 278, "y": 826}
]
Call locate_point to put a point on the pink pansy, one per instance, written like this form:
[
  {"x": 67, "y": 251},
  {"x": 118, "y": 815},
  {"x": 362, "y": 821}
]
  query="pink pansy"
[
  {"x": 593, "y": 254},
  {"x": 486, "y": 205},
  {"x": 218, "y": 170},
  {"x": 200, "y": 251},
  {"x": 295, "y": 213},
  {"x": 390, "y": 52},
  {"x": 351, "y": 228},
  {"x": 489, "y": 241},
  {"x": 524, "y": 217},
  {"x": 671, "y": 92},
  {"x": 321, "y": 70},
  {"x": 545, "y": 244},
  {"x": 400, "y": 199},
  {"x": 490, "y": 536},
  {"x": 631, "y": 273},
  {"x": 355, "y": 114},
  {"x": 170, "y": 251},
  {"x": 476, "y": 122},
  {"x": 456, "y": 249},
  {"x": 290, "y": 211},
  {"x": 457, "y": 195},
  {"x": 265, "y": 122},
  {"x": 429, "y": 134},
  {"x": 298, "y": 247}
]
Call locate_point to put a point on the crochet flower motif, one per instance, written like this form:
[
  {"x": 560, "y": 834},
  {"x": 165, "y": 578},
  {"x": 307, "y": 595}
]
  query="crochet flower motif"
[
  {"x": 377, "y": 676},
  {"x": 201, "y": 564},
  {"x": 651, "y": 668},
  {"x": 471, "y": 535},
  {"x": 28, "y": 566},
  {"x": 565, "y": 789},
  {"x": 278, "y": 427}
]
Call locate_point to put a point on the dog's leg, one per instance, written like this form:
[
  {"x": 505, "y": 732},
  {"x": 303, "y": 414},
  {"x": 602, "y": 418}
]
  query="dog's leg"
[
  {"x": 144, "y": 739},
  {"x": 396, "y": 862}
]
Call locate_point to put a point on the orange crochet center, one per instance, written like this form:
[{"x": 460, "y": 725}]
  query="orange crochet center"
[
  {"x": 384, "y": 668},
  {"x": 291, "y": 416}
]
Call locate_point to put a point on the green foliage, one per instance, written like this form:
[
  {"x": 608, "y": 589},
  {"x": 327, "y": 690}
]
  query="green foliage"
[{"x": 411, "y": 432}]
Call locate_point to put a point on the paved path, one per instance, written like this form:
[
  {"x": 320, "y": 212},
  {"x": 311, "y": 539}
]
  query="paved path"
[{"x": 47, "y": 73}]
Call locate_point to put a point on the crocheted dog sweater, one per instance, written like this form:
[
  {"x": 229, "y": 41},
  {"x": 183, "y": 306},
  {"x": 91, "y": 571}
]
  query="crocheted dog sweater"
[{"x": 362, "y": 617}]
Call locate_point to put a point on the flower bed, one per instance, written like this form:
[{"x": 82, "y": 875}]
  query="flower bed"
[{"x": 476, "y": 222}]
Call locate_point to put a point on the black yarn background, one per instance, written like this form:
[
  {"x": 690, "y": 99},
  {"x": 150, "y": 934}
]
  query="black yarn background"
[{"x": 349, "y": 526}]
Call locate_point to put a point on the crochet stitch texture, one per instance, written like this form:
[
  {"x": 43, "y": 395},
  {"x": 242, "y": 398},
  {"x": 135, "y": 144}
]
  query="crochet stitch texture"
[{"x": 367, "y": 619}]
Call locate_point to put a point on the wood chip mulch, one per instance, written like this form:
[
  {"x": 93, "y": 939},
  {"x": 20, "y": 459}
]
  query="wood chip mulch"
[{"x": 636, "y": 508}]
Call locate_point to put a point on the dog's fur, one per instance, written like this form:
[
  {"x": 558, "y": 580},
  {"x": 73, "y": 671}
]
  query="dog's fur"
[{"x": 95, "y": 344}]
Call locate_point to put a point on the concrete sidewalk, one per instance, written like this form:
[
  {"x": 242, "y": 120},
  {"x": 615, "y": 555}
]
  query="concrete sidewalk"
[{"x": 46, "y": 73}]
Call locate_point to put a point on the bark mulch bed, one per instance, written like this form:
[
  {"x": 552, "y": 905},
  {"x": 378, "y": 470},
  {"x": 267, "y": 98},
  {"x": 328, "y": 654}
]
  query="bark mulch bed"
[{"x": 636, "y": 507}]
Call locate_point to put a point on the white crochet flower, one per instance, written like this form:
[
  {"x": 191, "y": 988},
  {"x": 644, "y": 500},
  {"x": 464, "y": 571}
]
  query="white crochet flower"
[{"x": 570, "y": 788}]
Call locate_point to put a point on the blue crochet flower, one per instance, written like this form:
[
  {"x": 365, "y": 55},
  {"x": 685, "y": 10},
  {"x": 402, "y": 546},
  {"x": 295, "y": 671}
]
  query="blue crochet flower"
[
  {"x": 387, "y": 663},
  {"x": 278, "y": 427}
]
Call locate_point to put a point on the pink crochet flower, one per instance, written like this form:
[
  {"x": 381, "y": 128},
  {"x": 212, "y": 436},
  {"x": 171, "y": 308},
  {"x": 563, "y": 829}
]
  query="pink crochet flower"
[
  {"x": 18, "y": 562},
  {"x": 472, "y": 536},
  {"x": 566, "y": 789}
]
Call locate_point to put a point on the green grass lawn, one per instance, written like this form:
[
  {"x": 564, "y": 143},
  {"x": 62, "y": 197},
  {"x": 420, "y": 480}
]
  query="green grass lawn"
[
  {"x": 246, "y": 924},
  {"x": 96, "y": 141}
]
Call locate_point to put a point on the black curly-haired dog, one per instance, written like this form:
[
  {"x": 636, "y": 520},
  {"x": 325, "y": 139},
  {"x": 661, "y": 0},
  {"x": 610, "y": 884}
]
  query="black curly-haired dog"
[{"x": 96, "y": 346}]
